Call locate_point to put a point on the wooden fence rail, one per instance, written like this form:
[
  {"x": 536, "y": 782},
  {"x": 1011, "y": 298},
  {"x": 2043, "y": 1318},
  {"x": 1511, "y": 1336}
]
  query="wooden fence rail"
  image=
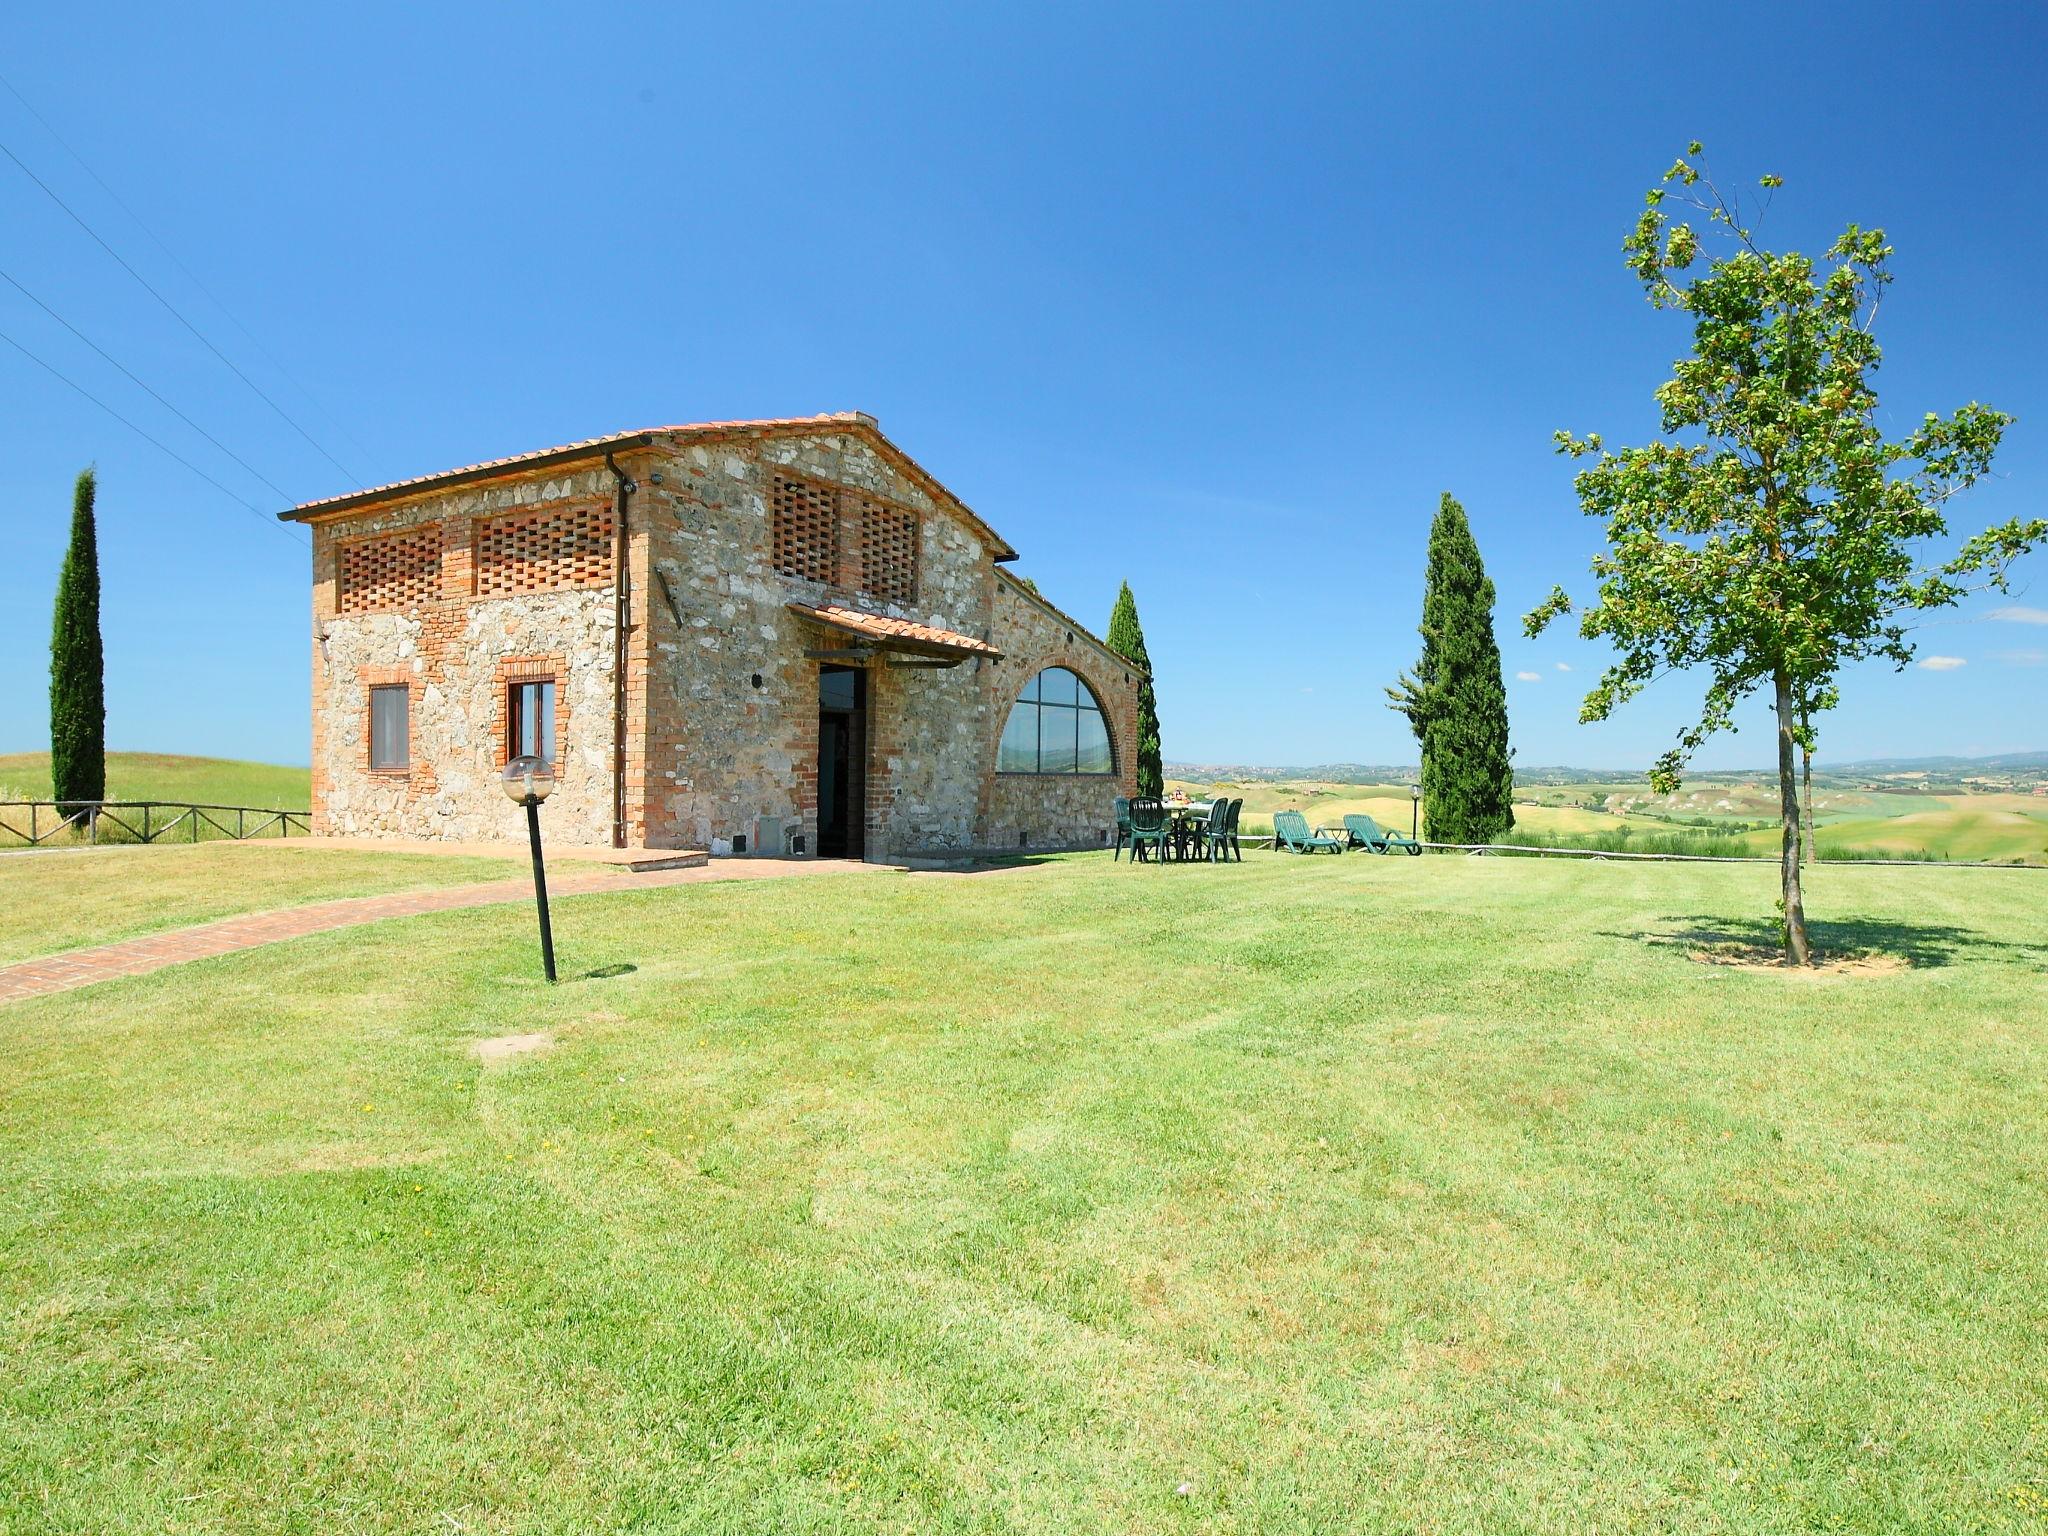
[{"x": 37, "y": 822}]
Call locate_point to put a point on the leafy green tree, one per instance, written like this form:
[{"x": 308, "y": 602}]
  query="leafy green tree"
[
  {"x": 1782, "y": 539},
  {"x": 1127, "y": 639},
  {"x": 1454, "y": 700},
  {"x": 78, "y": 689}
]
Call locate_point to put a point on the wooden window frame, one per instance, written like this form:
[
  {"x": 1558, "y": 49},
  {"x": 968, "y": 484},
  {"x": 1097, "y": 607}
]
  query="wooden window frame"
[
  {"x": 387, "y": 770},
  {"x": 515, "y": 716},
  {"x": 511, "y": 672}
]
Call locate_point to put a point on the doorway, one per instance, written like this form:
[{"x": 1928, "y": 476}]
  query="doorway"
[{"x": 842, "y": 762}]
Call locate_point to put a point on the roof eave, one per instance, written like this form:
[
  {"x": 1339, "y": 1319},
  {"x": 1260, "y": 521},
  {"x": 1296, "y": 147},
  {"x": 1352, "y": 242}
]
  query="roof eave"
[
  {"x": 999, "y": 550},
  {"x": 340, "y": 506},
  {"x": 455, "y": 479},
  {"x": 1016, "y": 583}
]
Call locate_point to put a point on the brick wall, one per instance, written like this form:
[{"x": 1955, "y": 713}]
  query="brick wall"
[
  {"x": 1053, "y": 810},
  {"x": 545, "y": 610}
]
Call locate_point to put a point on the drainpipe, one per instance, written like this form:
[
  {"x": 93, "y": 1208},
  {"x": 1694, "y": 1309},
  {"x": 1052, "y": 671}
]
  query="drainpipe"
[{"x": 622, "y": 619}]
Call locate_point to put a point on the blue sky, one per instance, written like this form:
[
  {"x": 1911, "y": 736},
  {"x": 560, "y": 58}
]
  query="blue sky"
[{"x": 1214, "y": 300}]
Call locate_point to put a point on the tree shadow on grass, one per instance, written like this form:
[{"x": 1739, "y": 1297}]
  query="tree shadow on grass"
[{"x": 1915, "y": 944}]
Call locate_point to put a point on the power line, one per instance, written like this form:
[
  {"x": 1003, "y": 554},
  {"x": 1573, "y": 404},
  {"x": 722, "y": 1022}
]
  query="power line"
[
  {"x": 177, "y": 261},
  {"x": 254, "y": 510},
  {"x": 177, "y": 314},
  {"x": 282, "y": 494}
]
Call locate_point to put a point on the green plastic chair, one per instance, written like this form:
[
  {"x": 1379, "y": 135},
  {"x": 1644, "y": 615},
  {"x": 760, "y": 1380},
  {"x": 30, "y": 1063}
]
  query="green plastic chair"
[
  {"x": 1290, "y": 831},
  {"x": 1123, "y": 829},
  {"x": 1148, "y": 825},
  {"x": 1236, "y": 848},
  {"x": 1366, "y": 833},
  {"x": 1214, "y": 837}
]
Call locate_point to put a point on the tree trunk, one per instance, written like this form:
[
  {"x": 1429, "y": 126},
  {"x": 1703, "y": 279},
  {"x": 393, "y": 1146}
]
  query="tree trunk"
[
  {"x": 1808, "y": 852},
  {"x": 1796, "y": 950}
]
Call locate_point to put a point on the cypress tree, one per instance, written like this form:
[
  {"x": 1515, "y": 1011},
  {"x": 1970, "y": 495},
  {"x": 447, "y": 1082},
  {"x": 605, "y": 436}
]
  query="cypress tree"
[
  {"x": 78, "y": 689},
  {"x": 1127, "y": 639},
  {"x": 1455, "y": 700}
]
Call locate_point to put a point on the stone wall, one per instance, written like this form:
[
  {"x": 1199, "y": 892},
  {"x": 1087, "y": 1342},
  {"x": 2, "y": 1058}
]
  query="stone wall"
[
  {"x": 457, "y": 653},
  {"x": 732, "y": 698},
  {"x": 1053, "y": 810},
  {"x": 721, "y": 700}
]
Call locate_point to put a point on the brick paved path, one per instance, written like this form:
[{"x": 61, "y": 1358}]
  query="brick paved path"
[{"x": 154, "y": 951}]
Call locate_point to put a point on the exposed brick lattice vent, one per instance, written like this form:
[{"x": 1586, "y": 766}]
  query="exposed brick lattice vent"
[
  {"x": 399, "y": 570},
  {"x": 888, "y": 551},
  {"x": 544, "y": 551},
  {"x": 828, "y": 534},
  {"x": 806, "y": 529}
]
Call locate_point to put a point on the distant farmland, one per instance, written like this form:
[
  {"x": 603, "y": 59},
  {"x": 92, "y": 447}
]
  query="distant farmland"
[{"x": 1711, "y": 817}]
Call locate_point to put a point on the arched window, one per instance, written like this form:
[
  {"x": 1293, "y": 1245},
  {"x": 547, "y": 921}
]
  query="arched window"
[{"x": 1056, "y": 726}]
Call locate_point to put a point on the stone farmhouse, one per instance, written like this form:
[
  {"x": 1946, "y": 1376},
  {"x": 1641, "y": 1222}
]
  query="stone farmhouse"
[{"x": 763, "y": 637}]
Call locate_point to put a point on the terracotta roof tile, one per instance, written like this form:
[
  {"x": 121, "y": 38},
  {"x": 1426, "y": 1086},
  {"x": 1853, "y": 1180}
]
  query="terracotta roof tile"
[
  {"x": 875, "y": 626},
  {"x": 513, "y": 461},
  {"x": 512, "y": 464}
]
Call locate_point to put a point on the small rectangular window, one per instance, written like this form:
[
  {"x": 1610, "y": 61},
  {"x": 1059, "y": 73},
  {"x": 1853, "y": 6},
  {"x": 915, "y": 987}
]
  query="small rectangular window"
[
  {"x": 391, "y": 728},
  {"x": 530, "y": 720}
]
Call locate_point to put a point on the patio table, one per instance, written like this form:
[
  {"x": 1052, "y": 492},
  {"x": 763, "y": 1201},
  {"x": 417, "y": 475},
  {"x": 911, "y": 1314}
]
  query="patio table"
[{"x": 1185, "y": 821}]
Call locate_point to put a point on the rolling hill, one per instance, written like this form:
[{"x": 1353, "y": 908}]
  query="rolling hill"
[
  {"x": 1732, "y": 818},
  {"x": 162, "y": 776}
]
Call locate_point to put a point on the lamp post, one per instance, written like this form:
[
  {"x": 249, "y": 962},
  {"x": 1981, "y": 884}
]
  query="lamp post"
[
  {"x": 528, "y": 781},
  {"x": 1414, "y": 811}
]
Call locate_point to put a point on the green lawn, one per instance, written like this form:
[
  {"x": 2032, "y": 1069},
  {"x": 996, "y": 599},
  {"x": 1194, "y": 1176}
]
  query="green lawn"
[
  {"x": 162, "y": 776},
  {"x": 1396, "y": 1195},
  {"x": 56, "y": 900}
]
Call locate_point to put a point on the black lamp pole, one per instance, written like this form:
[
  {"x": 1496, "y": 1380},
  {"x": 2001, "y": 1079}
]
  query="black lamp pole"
[
  {"x": 1414, "y": 813},
  {"x": 540, "y": 886}
]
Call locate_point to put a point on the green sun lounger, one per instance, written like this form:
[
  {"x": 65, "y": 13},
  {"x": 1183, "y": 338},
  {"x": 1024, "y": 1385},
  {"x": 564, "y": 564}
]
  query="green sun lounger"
[
  {"x": 1290, "y": 831},
  {"x": 1365, "y": 833}
]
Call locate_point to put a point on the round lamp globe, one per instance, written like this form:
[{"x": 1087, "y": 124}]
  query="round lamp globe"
[{"x": 528, "y": 779}]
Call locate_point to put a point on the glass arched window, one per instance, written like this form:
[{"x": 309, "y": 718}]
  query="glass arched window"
[{"x": 1056, "y": 726}]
